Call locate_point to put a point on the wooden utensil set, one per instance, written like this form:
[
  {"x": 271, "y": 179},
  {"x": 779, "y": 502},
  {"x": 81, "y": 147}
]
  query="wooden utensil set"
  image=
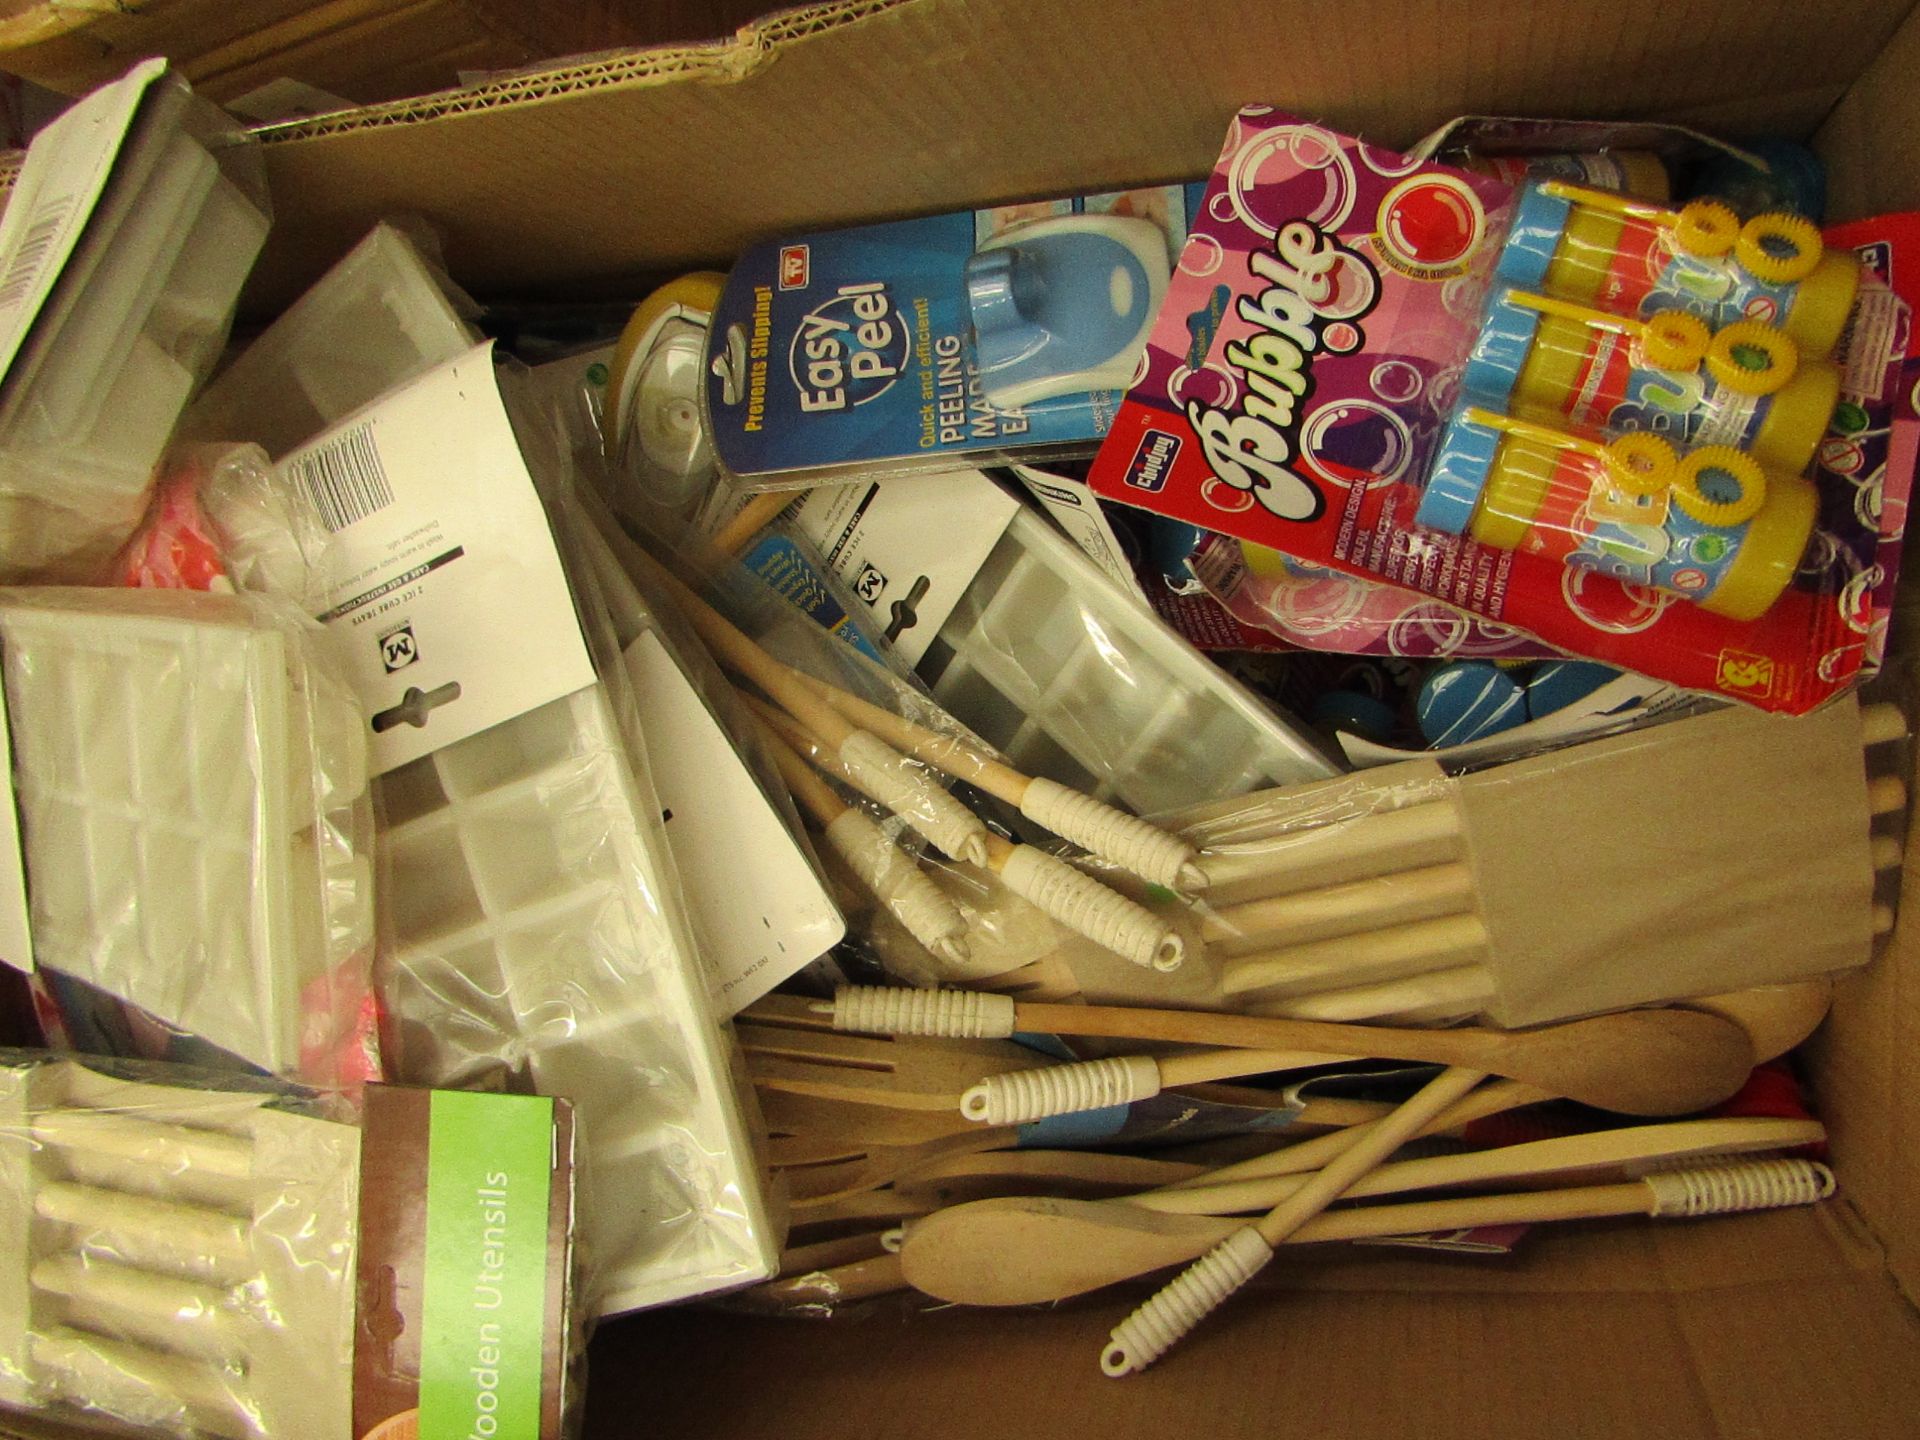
[
  {"x": 1724, "y": 850},
  {"x": 173, "y": 1255},
  {"x": 1044, "y": 1233},
  {"x": 1524, "y": 892},
  {"x": 1727, "y": 855}
]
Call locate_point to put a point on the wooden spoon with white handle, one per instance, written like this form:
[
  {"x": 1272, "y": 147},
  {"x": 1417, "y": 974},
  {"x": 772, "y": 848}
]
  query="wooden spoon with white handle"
[
  {"x": 1034, "y": 1251},
  {"x": 1639, "y": 1062}
]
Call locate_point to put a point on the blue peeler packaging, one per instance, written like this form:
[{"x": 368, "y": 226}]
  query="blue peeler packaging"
[{"x": 977, "y": 337}]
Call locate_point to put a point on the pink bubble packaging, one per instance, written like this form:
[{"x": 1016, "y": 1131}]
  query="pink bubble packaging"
[
  {"x": 1308, "y": 353},
  {"x": 1313, "y": 331}
]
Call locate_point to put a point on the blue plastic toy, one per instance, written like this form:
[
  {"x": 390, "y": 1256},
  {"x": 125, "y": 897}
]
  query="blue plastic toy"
[
  {"x": 1561, "y": 683},
  {"x": 1064, "y": 306},
  {"x": 1469, "y": 700}
]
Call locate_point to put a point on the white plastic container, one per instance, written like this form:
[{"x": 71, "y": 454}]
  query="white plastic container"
[
  {"x": 191, "y": 785},
  {"x": 378, "y": 318},
  {"x": 135, "y": 321},
  {"x": 1073, "y": 679}
]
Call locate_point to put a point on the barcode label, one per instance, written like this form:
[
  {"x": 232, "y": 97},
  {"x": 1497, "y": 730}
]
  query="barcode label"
[
  {"x": 23, "y": 269},
  {"x": 344, "y": 478}
]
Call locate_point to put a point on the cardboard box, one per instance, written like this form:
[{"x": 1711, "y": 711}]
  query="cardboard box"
[
  {"x": 1795, "y": 1323},
  {"x": 362, "y": 50}
]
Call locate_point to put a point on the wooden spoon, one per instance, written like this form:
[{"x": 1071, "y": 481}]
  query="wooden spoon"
[
  {"x": 1775, "y": 1017},
  {"x": 1033, "y": 1251},
  {"x": 1640, "y": 1062},
  {"x": 1086, "y": 1174},
  {"x": 1073, "y": 1231},
  {"x": 1560, "y": 1157}
]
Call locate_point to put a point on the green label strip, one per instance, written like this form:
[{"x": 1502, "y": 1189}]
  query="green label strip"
[{"x": 489, "y": 1160}]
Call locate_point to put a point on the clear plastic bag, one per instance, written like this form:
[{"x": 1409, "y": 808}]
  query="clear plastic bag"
[
  {"x": 532, "y": 933},
  {"x": 382, "y": 315},
  {"x": 195, "y": 822},
  {"x": 870, "y": 760},
  {"x": 222, "y": 521},
  {"x": 134, "y": 324},
  {"x": 180, "y": 1252}
]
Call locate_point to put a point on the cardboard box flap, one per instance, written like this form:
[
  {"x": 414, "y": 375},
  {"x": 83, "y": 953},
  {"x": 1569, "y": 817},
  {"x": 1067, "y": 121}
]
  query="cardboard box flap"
[
  {"x": 1871, "y": 142},
  {"x": 870, "y": 108},
  {"x": 1860, "y": 1063}
]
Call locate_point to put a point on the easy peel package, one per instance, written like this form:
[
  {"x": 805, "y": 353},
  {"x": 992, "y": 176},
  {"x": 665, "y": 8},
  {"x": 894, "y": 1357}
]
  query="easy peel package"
[
  {"x": 970, "y": 338},
  {"x": 1314, "y": 348}
]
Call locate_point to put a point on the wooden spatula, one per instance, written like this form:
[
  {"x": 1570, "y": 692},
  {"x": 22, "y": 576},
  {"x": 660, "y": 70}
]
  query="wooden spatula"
[{"x": 903, "y": 1074}]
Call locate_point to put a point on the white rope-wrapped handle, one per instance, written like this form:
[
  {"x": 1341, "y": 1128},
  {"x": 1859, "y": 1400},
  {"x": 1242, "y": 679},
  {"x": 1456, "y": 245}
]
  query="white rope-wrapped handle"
[
  {"x": 1128, "y": 841},
  {"x": 1160, "y": 1324},
  {"x": 949, "y": 1014},
  {"x": 911, "y": 792},
  {"x": 1085, "y": 906},
  {"x": 1026, "y": 1095},
  {"x": 899, "y": 884},
  {"x": 1741, "y": 1185}
]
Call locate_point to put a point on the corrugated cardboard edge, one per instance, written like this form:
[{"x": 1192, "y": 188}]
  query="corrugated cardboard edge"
[
  {"x": 751, "y": 47},
  {"x": 1861, "y": 1061},
  {"x": 1624, "y": 1330}
]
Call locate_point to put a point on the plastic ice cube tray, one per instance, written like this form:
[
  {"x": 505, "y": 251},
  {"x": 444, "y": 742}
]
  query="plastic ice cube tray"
[
  {"x": 530, "y": 948},
  {"x": 1075, "y": 680},
  {"x": 179, "y": 1259},
  {"x": 136, "y": 320},
  {"x": 180, "y": 769},
  {"x": 379, "y": 317}
]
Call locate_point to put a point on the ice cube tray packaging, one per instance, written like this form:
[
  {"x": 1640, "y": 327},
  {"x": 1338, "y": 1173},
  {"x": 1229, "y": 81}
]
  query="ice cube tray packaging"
[
  {"x": 381, "y": 316},
  {"x": 449, "y": 612},
  {"x": 185, "y": 851},
  {"x": 523, "y": 875},
  {"x": 1072, "y": 678},
  {"x": 530, "y": 937},
  {"x": 133, "y": 319}
]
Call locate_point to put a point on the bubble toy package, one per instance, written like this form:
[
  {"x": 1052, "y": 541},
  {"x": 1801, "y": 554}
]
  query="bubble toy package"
[{"x": 1317, "y": 355}]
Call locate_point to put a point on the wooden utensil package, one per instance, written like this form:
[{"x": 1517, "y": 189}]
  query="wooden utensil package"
[
  {"x": 202, "y": 1255},
  {"x": 1713, "y": 853}
]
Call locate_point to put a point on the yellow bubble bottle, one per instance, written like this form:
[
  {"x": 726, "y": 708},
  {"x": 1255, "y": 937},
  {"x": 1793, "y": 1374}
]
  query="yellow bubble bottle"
[
  {"x": 1709, "y": 525},
  {"x": 1588, "y": 371},
  {"x": 1632, "y": 258}
]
